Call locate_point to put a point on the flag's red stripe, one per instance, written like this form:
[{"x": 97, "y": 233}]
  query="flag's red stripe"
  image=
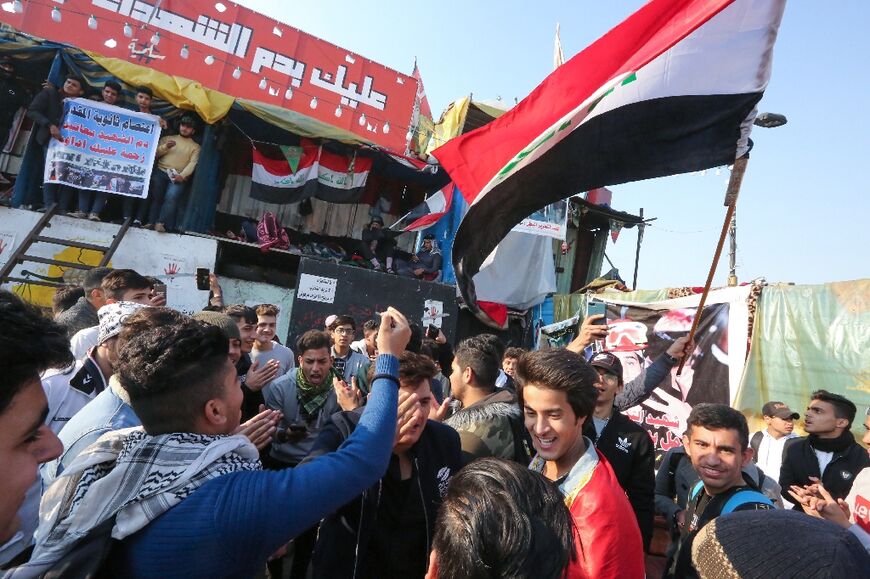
[
  {"x": 643, "y": 36},
  {"x": 340, "y": 163}
]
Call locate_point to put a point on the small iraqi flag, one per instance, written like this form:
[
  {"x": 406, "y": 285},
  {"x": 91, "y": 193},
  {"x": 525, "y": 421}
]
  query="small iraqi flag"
[
  {"x": 670, "y": 90},
  {"x": 284, "y": 174},
  {"x": 428, "y": 212}
]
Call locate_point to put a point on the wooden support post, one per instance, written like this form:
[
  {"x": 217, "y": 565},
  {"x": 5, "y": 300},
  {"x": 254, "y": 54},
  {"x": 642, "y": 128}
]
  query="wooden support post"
[{"x": 731, "y": 194}]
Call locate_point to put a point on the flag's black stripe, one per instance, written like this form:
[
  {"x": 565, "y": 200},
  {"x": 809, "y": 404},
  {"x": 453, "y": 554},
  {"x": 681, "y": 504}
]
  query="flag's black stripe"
[
  {"x": 282, "y": 195},
  {"x": 652, "y": 138}
]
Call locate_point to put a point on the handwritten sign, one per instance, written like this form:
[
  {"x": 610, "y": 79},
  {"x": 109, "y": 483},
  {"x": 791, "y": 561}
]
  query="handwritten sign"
[
  {"x": 316, "y": 288},
  {"x": 103, "y": 148}
]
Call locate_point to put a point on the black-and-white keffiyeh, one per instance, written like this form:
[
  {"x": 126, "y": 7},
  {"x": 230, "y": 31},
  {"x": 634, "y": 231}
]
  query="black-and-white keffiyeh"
[{"x": 133, "y": 476}]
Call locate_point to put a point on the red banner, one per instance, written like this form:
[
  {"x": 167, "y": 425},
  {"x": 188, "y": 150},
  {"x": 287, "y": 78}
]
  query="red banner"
[{"x": 236, "y": 51}]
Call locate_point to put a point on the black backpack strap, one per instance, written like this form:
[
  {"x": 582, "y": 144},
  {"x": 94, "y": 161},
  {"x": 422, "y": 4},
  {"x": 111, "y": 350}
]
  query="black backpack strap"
[{"x": 755, "y": 443}]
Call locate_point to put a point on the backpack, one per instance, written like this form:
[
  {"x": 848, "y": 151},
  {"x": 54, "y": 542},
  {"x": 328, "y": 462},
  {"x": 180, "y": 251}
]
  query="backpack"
[
  {"x": 270, "y": 233},
  {"x": 743, "y": 496},
  {"x": 755, "y": 444}
]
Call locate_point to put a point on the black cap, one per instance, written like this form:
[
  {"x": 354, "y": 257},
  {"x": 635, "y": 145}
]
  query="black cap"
[
  {"x": 377, "y": 219},
  {"x": 430, "y": 236},
  {"x": 780, "y": 410},
  {"x": 608, "y": 362}
]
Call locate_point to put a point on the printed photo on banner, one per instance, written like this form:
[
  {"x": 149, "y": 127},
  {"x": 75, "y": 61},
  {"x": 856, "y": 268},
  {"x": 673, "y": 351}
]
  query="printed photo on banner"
[
  {"x": 103, "y": 148},
  {"x": 551, "y": 221},
  {"x": 638, "y": 336}
]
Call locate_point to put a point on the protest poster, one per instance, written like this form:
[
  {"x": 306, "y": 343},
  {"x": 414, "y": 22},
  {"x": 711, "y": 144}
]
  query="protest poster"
[
  {"x": 103, "y": 148},
  {"x": 638, "y": 333},
  {"x": 551, "y": 221}
]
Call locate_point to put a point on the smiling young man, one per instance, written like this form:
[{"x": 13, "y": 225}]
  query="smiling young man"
[
  {"x": 829, "y": 453},
  {"x": 33, "y": 344},
  {"x": 625, "y": 444},
  {"x": 557, "y": 393},
  {"x": 266, "y": 351},
  {"x": 717, "y": 442},
  {"x": 387, "y": 531},
  {"x": 253, "y": 376}
]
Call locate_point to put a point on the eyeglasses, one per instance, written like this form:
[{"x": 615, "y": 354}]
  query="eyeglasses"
[{"x": 344, "y": 331}]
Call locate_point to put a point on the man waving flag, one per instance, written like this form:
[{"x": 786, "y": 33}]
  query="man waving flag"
[{"x": 672, "y": 89}]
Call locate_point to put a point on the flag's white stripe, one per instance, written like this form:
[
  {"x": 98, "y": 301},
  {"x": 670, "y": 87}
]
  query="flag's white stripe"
[
  {"x": 720, "y": 57},
  {"x": 259, "y": 174},
  {"x": 437, "y": 203},
  {"x": 340, "y": 180},
  {"x": 730, "y": 54}
]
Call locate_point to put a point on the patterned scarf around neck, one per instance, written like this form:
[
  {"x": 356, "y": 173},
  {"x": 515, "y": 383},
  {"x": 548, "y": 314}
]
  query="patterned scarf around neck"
[
  {"x": 313, "y": 397},
  {"x": 133, "y": 477}
]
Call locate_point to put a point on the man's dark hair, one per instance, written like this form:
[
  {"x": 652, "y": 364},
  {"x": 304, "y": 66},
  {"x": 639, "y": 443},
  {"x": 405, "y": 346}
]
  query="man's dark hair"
[
  {"x": 495, "y": 343},
  {"x": 479, "y": 354},
  {"x": 719, "y": 417},
  {"x": 78, "y": 79},
  {"x": 313, "y": 340},
  {"x": 414, "y": 369},
  {"x": 171, "y": 372},
  {"x": 513, "y": 352},
  {"x": 559, "y": 370},
  {"x": 65, "y": 297},
  {"x": 500, "y": 519},
  {"x": 145, "y": 90},
  {"x": 94, "y": 278},
  {"x": 843, "y": 407},
  {"x": 240, "y": 312},
  {"x": 342, "y": 320},
  {"x": 372, "y": 325},
  {"x": 120, "y": 280},
  {"x": 113, "y": 84},
  {"x": 145, "y": 319},
  {"x": 29, "y": 344}
]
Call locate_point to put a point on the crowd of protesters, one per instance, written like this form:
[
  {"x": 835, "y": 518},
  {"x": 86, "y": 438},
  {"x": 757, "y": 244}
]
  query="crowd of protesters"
[{"x": 201, "y": 446}]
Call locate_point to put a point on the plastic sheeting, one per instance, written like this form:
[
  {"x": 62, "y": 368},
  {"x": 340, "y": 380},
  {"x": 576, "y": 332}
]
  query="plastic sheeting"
[
  {"x": 807, "y": 338},
  {"x": 519, "y": 273}
]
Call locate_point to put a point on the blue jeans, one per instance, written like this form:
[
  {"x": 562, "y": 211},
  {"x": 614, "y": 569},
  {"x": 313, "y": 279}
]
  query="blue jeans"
[{"x": 165, "y": 199}]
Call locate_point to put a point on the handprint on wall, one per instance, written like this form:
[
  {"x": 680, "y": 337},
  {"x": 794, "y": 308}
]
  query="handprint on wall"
[{"x": 171, "y": 269}]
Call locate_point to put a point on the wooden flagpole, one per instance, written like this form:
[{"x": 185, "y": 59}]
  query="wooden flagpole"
[{"x": 737, "y": 172}]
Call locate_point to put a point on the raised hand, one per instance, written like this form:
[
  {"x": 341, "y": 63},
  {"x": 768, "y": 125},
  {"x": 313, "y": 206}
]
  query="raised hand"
[
  {"x": 394, "y": 332},
  {"x": 261, "y": 427},
  {"x": 589, "y": 332},
  {"x": 349, "y": 397},
  {"x": 259, "y": 377}
]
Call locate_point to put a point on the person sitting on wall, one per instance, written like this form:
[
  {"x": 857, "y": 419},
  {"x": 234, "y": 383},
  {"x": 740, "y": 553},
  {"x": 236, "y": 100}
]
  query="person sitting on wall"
[
  {"x": 378, "y": 244},
  {"x": 425, "y": 264},
  {"x": 176, "y": 161}
]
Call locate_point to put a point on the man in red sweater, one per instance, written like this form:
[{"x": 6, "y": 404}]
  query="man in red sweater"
[{"x": 557, "y": 393}]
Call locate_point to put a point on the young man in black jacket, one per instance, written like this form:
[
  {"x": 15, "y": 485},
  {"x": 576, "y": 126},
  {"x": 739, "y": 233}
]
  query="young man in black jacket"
[
  {"x": 625, "y": 444},
  {"x": 829, "y": 453},
  {"x": 46, "y": 112},
  {"x": 387, "y": 531}
]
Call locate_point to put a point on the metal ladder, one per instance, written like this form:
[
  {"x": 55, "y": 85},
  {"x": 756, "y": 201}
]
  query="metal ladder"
[{"x": 35, "y": 236}]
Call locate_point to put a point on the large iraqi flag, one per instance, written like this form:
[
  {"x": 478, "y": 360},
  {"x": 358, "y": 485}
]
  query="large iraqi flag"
[{"x": 672, "y": 89}]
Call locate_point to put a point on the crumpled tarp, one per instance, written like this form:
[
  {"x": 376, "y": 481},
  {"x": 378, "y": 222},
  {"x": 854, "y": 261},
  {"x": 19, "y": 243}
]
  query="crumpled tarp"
[{"x": 806, "y": 338}]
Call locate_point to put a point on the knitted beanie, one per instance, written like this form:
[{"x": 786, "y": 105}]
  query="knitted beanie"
[
  {"x": 223, "y": 321},
  {"x": 782, "y": 544},
  {"x": 112, "y": 317}
]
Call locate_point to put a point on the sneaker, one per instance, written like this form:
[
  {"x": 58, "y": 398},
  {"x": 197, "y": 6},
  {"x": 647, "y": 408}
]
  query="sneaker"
[
  {"x": 77, "y": 214},
  {"x": 94, "y": 217},
  {"x": 42, "y": 210},
  {"x": 137, "y": 223},
  {"x": 159, "y": 228}
]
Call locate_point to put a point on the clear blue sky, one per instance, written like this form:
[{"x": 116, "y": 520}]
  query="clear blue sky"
[{"x": 804, "y": 204}]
